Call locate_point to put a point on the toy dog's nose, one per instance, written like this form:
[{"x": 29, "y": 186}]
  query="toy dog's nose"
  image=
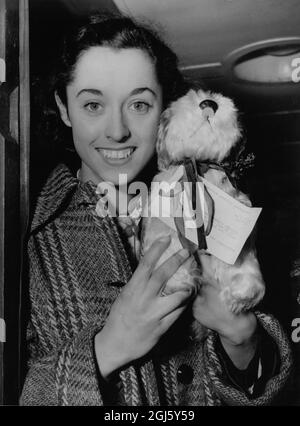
[{"x": 208, "y": 103}]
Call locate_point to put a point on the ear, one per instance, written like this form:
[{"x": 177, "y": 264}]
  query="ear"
[{"x": 63, "y": 110}]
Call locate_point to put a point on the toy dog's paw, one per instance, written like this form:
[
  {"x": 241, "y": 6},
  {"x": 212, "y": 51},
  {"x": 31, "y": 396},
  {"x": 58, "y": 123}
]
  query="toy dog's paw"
[
  {"x": 186, "y": 276},
  {"x": 181, "y": 280},
  {"x": 241, "y": 298}
]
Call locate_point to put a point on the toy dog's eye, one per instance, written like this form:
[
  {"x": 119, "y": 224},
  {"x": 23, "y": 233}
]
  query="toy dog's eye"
[
  {"x": 224, "y": 180},
  {"x": 208, "y": 103}
]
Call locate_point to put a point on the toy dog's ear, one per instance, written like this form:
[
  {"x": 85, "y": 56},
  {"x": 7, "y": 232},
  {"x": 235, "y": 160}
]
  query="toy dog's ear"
[{"x": 162, "y": 153}]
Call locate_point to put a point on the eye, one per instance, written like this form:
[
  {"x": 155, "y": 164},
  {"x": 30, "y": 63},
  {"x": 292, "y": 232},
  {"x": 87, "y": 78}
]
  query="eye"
[
  {"x": 93, "y": 107},
  {"x": 224, "y": 180},
  {"x": 140, "y": 107}
]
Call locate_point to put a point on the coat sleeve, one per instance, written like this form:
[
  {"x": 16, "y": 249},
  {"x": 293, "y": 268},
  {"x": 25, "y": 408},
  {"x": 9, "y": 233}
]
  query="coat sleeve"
[
  {"x": 66, "y": 375},
  {"x": 62, "y": 369},
  {"x": 230, "y": 395}
]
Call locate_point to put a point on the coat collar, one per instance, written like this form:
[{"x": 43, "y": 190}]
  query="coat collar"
[{"x": 61, "y": 188}]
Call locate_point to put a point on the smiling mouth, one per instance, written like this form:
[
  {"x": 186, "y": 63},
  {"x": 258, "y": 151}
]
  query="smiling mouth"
[{"x": 117, "y": 154}]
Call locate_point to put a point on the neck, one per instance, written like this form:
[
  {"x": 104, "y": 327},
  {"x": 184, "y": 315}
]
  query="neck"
[
  {"x": 122, "y": 199},
  {"x": 119, "y": 198}
]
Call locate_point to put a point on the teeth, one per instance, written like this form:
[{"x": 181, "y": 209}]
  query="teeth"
[{"x": 119, "y": 154}]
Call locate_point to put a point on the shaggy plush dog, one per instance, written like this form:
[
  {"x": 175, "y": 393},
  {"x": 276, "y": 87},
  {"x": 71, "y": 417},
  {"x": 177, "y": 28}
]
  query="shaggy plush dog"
[{"x": 203, "y": 127}]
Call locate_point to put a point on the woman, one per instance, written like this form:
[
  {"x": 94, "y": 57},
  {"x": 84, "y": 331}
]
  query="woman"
[{"x": 100, "y": 333}]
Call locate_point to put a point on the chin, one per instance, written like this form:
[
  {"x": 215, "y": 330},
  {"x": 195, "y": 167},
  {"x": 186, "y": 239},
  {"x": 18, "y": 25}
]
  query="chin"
[{"x": 115, "y": 177}]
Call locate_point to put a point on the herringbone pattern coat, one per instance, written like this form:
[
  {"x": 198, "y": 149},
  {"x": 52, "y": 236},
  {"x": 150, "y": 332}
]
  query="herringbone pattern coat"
[{"x": 78, "y": 265}]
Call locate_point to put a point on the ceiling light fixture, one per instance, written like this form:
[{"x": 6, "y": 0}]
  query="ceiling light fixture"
[{"x": 266, "y": 62}]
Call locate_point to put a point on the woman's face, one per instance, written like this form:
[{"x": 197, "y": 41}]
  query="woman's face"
[{"x": 113, "y": 107}]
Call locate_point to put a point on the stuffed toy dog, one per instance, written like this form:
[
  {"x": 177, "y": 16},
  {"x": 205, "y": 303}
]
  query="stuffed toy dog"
[{"x": 198, "y": 131}]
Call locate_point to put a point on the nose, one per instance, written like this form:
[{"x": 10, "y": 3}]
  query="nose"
[
  {"x": 117, "y": 129},
  {"x": 209, "y": 103}
]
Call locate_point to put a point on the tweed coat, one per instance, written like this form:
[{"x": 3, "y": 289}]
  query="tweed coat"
[{"x": 78, "y": 266}]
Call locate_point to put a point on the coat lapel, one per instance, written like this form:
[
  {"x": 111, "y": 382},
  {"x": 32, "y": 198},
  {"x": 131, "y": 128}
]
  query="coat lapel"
[
  {"x": 63, "y": 189},
  {"x": 55, "y": 195}
]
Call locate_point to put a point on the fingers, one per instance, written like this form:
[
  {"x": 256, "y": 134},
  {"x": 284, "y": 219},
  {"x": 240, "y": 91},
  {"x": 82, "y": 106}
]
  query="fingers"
[
  {"x": 208, "y": 266},
  {"x": 152, "y": 255},
  {"x": 172, "y": 302},
  {"x": 148, "y": 262},
  {"x": 165, "y": 271},
  {"x": 169, "y": 319}
]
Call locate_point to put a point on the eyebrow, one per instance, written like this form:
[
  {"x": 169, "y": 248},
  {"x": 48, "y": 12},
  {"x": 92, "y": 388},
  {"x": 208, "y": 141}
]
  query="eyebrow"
[
  {"x": 136, "y": 91},
  {"x": 92, "y": 91},
  {"x": 140, "y": 90}
]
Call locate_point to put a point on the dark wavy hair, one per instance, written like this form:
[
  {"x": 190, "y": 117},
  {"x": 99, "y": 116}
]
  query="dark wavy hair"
[{"x": 117, "y": 32}]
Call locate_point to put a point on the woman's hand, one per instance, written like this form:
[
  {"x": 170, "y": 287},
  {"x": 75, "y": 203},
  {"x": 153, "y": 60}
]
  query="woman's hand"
[
  {"x": 140, "y": 316},
  {"x": 237, "y": 332}
]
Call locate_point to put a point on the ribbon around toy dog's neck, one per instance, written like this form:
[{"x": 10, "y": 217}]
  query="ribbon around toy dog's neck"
[{"x": 192, "y": 178}]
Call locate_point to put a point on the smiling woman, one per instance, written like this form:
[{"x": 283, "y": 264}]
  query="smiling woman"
[
  {"x": 113, "y": 106},
  {"x": 99, "y": 330}
]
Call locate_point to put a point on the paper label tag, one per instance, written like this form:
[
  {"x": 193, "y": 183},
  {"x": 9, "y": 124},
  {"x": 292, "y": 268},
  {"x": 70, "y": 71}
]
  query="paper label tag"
[
  {"x": 232, "y": 221},
  {"x": 232, "y": 225}
]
